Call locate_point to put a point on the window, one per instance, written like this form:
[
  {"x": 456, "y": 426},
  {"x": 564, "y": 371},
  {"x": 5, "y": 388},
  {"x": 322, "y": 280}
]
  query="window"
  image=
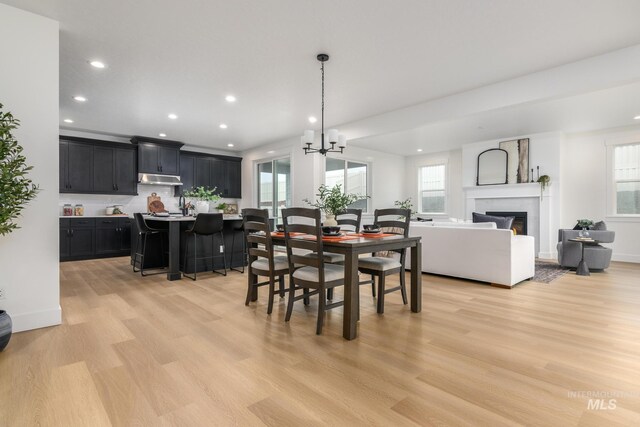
[
  {"x": 280, "y": 187},
  {"x": 626, "y": 175},
  {"x": 352, "y": 176},
  {"x": 432, "y": 190}
]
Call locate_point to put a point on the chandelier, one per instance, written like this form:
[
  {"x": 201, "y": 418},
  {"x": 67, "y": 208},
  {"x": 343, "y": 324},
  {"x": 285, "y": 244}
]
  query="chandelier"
[{"x": 333, "y": 136}]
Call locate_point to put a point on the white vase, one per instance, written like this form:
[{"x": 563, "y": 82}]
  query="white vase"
[
  {"x": 202, "y": 206},
  {"x": 330, "y": 220}
]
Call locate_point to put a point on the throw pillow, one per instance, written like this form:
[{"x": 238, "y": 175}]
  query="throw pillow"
[
  {"x": 600, "y": 225},
  {"x": 424, "y": 219},
  {"x": 502, "y": 222}
]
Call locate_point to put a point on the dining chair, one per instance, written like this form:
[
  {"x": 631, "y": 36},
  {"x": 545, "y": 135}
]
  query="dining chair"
[
  {"x": 206, "y": 224},
  {"x": 391, "y": 221},
  {"x": 309, "y": 272},
  {"x": 262, "y": 262},
  {"x": 348, "y": 220},
  {"x": 145, "y": 231}
]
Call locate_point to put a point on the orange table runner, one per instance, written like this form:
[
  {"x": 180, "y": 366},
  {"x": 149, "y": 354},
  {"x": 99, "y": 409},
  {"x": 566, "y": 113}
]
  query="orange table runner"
[
  {"x": 281, "y": 234},
  {"x": 333, "y": 238},
  {"x": 374, "y": 235}
]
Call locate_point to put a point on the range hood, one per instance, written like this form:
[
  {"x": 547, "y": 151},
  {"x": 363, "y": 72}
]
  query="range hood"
[{"x": 155, "y": 179}]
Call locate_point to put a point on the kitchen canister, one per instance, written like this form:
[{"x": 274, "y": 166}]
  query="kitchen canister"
[
  {"x": 5, "y": 329},
  {"x": 67, "y": 210},
  {"x": 78, "y": 210}
]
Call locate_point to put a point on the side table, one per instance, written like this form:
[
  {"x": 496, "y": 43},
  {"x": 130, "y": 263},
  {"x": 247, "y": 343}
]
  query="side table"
[{"x": 583, "y": 268}]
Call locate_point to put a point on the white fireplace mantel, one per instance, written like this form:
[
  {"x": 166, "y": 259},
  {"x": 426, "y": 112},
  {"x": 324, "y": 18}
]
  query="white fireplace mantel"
[{"x": 547, "y": 215}]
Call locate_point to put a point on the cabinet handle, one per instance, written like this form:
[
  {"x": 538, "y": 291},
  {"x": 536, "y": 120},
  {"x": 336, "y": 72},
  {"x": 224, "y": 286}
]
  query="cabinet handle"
[
  {"x": 71, "y": 233},
  {"x": 117, "y": 188},
  {"x": 107, "y": 222},
  {"x": 68, "y": 233}
]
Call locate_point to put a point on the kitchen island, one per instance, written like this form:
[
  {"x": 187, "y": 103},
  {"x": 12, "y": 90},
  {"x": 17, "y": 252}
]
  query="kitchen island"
[{"x": 175, "y": 241}]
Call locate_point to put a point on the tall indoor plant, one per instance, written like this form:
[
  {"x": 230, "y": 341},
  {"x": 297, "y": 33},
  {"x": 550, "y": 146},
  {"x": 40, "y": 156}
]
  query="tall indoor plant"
[
  {"x": 16, "y": 189},
  {"x": 332, "y": 201}
]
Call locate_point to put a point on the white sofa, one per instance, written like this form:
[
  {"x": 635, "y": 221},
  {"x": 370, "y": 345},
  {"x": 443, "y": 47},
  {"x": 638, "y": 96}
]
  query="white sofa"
[{"x": 477, "y": 251}]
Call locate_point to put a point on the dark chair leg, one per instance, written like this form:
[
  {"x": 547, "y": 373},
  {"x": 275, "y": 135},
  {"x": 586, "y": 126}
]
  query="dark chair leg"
[
  {"x": 135, "y": 253},
  {"x": 195, "y": 256},
  {"x": 281, "y": 287},
  {"x": 381, "y": 293},
  {"x": 144, "y": 251},
  {"x": 272, "y": 291},
  {"x": 306, "y": 296},
  {"x": 373, "y": 285},
  {"x": 292, "y": 295},
  {"x": 403, "y": 288},
  {"x": 224, "y": 253},
  {"x": 330, "y": 294},
  {"x": 321, "y": 304},
  {"x": 249, "y": 289},
  {"x": 233, "y": 249}
]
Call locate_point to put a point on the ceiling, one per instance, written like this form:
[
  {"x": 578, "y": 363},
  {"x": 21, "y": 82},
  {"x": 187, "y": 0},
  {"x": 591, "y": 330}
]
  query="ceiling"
[{"x": 184, "y": 57}]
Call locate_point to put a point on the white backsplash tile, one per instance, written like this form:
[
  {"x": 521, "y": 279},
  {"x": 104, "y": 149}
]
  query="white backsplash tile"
[{"x": 95, "y": 204}]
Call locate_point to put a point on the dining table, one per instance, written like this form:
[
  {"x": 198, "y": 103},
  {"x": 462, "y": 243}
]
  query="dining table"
[{"x": 353, "y": 245}]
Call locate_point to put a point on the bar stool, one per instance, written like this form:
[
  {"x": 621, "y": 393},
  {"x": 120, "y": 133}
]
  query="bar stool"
[
  {"x": 206, "y": 224},
  {"x": 238, "y": 228},
  {"x": 143, "y": 232}
]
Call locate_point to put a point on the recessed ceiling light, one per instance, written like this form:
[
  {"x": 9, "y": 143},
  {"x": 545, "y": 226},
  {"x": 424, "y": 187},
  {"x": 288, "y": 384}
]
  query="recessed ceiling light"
[
  {"x": 223, "y": 126},
  {"x": 68, "y": 121},
  {"x": 636, "y": 118},
  {"x": 97, "y": 64},
  {"x": 229, "y": 145},
  {"x": 312, "y": 119},
  {"x": 80, "y": 98},
  {"x": 172, "y": 116},
  {"x": 230, "y": 98},
  {"x": 162, "y": 135},
  {"x": 419, "y": 150},
  {"x": 270, "y": 152}
]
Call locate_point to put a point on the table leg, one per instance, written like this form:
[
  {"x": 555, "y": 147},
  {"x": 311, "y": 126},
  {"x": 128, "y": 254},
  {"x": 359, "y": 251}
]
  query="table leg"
[
  {"x": 416, "y": 278},
  {"x": 174, "y": 251},
  {"x": 583, "y": 269},
  {"x": 351, "y": 297}
]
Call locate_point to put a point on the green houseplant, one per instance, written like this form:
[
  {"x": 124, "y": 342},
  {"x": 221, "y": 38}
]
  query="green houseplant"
[
  {"x": 332, "y": 201},
  {"x": 202, "y": 197},
  {"x": 16, "y": 189},
  {"x": 545, "y": 181},
  {"x": 405, "y": 204}
]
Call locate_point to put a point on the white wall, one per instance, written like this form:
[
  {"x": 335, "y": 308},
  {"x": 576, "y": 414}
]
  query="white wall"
[
  {"x": 29, "y": 89},
  {"x": 584, "y": 188},
  {"x": 455, "y": 195},
  {"x": 386, "y": 172}
]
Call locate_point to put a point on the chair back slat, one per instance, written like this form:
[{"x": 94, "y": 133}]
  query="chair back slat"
[
  {"x": 257, "y": 234},
  {"x": 394, "y": 221},
  {"x": 297, "y": 220},
  {"x": 350, "y": 219}
]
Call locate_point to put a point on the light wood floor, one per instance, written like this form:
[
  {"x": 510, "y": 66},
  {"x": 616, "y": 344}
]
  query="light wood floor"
[{"x": 144, "y": 351}]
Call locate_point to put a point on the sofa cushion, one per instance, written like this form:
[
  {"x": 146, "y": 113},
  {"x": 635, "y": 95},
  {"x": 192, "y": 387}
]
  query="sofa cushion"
[{"x": 502, "y": 222}]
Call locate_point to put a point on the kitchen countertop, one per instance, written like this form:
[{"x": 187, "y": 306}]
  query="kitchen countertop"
[{"x": 155, "y": 218}]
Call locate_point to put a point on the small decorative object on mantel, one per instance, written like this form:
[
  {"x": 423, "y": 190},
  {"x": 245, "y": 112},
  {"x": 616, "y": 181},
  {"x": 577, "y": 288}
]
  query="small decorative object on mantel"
[
  {"x": 544, "y": 181},
  {"x": 518, "y": 160},
  {"x": 5, "y": 329},
  {"x": 333, "y": 201},
  {"x": 17, "y": 189}
]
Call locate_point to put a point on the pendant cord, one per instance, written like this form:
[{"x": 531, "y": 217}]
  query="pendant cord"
[{"x": 322, "y": 121}]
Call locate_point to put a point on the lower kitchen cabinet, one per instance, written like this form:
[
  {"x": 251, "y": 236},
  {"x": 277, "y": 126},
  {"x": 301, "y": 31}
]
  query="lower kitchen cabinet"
[{"x": 89, "y": 238}]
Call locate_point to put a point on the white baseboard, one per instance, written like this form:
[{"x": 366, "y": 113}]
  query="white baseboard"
[
  {"x": 36, "y": 319},
  {"x": 625, "y": 257},
  {"x": 548, "y": 255}
]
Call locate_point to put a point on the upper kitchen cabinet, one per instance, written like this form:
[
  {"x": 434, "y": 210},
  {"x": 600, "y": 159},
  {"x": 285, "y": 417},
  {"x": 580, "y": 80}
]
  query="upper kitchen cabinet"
[
  {"x": 187, "y": 173},
  {"x": 97, "y": 167},
  {"x": 210, "y": 170},
  {"x": 158, "y": 156}
]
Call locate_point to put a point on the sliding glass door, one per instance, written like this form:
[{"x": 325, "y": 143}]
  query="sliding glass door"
[{"x": 274, "y": 186}]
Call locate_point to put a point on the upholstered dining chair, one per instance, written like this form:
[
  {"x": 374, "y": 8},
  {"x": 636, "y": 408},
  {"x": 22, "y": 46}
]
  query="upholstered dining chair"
[
  {"x": 262, "y": 261},
  {"x": 309, "y": 272},
  {"x": 391, "y": 221}
]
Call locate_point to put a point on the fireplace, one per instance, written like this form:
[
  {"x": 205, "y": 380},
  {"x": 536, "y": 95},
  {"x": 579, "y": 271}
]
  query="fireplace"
[{"x": 519, "y": 222}]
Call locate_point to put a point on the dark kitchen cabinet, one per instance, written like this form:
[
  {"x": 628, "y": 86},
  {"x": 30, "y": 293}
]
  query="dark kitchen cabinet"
[
  {"x": 203, "y": 172},
  {"x": 113, "y": 236},
  {"x": 233, "y": 182},
  {"x": 87, "y": 238},
  {"x": 77, "y": 238},
  {"x": 158, "y": 156},
  {"x": 97, "y": 167},
  {"x": 187, "y": 173},
  {"x": 76, "y": 167}
]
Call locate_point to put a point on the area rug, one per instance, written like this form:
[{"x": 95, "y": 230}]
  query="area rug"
[{"x": 547, "y": 272}]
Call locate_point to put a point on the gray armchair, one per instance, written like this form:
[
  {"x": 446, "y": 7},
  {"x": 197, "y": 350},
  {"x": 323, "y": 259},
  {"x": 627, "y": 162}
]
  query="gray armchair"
[{"x": 597, "y": 257}]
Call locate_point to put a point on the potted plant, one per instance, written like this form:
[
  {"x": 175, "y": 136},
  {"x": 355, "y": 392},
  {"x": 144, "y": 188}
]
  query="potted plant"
[
  {"x": 586, "y": 224},
  {"x": 17, "y": 189},
  {"x": 333, "y": 201},
  {"x": 222, "y": 207},
  {"x": 202, "y": 197},
  {"x": 405, "y": 204},
  {"x": 544, "y": 181}
]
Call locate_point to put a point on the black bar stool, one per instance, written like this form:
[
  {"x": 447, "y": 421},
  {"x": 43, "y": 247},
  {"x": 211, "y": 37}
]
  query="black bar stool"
[
  {"x": 206, "y": 224},
  {"x": 238, "y": 228},
  {"x": 143, "y": 232}
]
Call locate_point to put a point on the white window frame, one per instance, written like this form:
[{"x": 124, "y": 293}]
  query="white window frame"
[
  {"x": 442, "y": 162},
  {"x": 369, "y": 177},
  {"x": 611, "y": 145},
  {"x": 256, "y": 179}
]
